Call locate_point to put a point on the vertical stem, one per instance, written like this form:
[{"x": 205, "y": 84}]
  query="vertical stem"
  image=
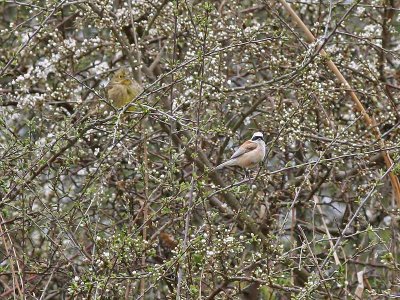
[
  {"x": 11, "y": 253},
  {"x": 138, "y": 53},
  {"x": 145, "y": 209},
  {"x": 171, "y": 108},
  {"x": 335, "y": 256},
  {"x": 194, "y": 167},
  {"x": 292, "y": 239}
]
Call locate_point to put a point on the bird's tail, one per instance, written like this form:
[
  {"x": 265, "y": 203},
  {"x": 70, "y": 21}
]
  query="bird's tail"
[{"x": 225, "y": 164}]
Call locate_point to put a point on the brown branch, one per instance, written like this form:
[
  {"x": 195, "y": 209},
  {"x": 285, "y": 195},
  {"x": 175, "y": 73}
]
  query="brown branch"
[
  {"x": 370, "y": 122},
  {"x": 12, "y": 255}
]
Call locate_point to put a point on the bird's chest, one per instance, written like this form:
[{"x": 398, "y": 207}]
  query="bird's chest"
[
  {"x": 118, "y": 94},
  {"x": 250, "y": 160}
]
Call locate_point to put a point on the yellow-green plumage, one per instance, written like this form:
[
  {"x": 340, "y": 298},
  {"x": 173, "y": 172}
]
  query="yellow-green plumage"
[{"x": 122, "y": 90}]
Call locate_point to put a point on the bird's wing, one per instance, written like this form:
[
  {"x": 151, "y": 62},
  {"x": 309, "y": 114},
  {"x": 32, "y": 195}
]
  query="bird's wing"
[
  {"x": 244, "y": 148},
  {"x": 118, "y": 95},
  {"x": 134, "y": 88}
]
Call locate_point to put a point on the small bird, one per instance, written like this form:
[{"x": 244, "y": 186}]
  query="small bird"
[
  {"x": 122, "y": 89},
  {"x": 249, "y": 154}
]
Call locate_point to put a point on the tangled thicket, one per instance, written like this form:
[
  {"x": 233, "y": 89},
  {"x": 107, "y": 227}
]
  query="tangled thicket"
[{"x": 99, "y": 202}]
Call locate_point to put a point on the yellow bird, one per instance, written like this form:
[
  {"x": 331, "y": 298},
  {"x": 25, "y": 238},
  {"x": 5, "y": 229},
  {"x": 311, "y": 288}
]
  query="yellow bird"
[{"x": 122, "y": 89}]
